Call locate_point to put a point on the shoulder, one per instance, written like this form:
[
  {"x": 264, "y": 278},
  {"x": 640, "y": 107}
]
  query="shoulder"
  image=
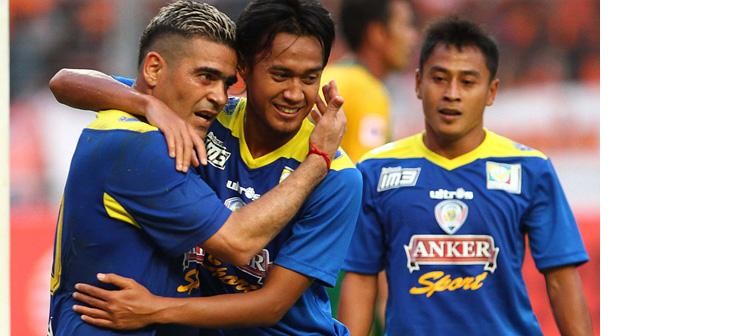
[
  {"x": 496, "y": 145},
  {"x": 406, "y": 148},
  {"x": 232, "y": 115}
]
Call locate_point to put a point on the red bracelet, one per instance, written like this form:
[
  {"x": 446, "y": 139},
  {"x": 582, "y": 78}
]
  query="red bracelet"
[{"x": 316, "y": 151}]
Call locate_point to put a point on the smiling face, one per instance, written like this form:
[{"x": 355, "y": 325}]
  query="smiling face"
[
  {"x": 193, "y": 80},
  {"x": 455, "y": 87},
  {"x": 282, "y": 87}
]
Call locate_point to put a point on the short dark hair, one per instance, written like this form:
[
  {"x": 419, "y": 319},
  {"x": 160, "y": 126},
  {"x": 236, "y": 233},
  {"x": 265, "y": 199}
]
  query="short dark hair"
[
  {"x": 460, "y": 33},
  {"x": 262, "y": 20},
  {"x": 187, "y": 19},
  {"x": 356, "y": 15}
]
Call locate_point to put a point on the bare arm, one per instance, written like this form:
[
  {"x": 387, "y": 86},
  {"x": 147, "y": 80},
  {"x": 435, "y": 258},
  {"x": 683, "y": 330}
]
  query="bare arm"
[
  {"x": 567, "y": 300},
  {"x": 93, "y": 90},
  {"x": 357, "y": 302},
  {"x": 134, "y": 307}
]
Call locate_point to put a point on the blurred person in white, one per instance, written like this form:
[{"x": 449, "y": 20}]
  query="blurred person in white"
[{"x": 446, "y": 212}]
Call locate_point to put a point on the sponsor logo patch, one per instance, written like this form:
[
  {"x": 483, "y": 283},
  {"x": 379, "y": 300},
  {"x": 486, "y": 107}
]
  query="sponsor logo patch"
[
  {"x": 451, "y": 250},
  {"x": 396, "y": 177},
  {"x": 504, "y": 176},
  {"x": 451, "y": 214},
  {"x": 460, "y": 193},
  {"x": 249, "y": 192},
  {"x": 218, "y": 154}
]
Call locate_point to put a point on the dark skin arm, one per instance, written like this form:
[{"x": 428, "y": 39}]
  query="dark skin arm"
[
  {"x": 357, "y": 302},
  {"x": 569, "y": 306},
  {"x": 96, "y": 91},
  {"x": 134, "y": 307}
]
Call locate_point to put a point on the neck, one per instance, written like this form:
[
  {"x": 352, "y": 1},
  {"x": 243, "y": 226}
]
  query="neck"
[
  {"x": 370, "y": 58},
  {"x": 453, "y": 147},
  {"x": 261, "y": 138}
]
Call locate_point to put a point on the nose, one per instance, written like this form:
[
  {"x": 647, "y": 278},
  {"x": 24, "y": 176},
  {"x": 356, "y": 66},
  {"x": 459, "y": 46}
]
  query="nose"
[
  {"x": 294, "y": 92},
  {"x": 218, "y": 95},
  {"x": 451, "y": 92}
]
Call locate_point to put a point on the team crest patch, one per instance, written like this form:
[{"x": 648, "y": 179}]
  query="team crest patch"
[
  {"x": 451, "y": 250},
  {"x": 451, "y": 214},
  {"x": 504, "y": 176},
  {"x": 233, "y": 203},
  {"x": 396, "y": 177}
]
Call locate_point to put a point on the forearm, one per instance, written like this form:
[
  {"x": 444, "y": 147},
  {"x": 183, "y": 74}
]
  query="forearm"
[
  {"x": 569, "y": 306},
  {"x": 251, "y": 227},
  {"x": 263, "y": 307},
  {"x": 94, "y": 90},
  {"x": 226, "y": 310},
  {"x": 357, "y": 302}
]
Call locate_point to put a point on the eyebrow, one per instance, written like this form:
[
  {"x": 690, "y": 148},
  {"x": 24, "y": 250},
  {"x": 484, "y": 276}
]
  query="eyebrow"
[
  {"x": 437, "y": 68},
  {"x": 286, "y": 70},
  {"x": 230, "y": 80}
]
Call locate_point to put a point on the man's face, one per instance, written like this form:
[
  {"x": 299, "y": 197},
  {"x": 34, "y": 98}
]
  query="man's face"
[
  {"x": 282, "y": 87},
  {"x": 454, "y": 88},
  {"x": 400, "y": 34},
  {"x": 195, "y": 80}
]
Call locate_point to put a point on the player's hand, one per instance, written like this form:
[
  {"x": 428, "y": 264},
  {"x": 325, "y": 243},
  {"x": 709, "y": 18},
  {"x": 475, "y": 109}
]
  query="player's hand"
[
  {"x": 183, "y": 144},
  {"x": 330, "y": 120},
  {"x": 130, "y": 307}
]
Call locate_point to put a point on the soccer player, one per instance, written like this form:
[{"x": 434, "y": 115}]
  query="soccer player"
[
  {"x": 381, "y": 35},
  {"x": 283, "y": 47},
  {"x": 125, "y": 208},
  {"x": 445, "y": 213}
]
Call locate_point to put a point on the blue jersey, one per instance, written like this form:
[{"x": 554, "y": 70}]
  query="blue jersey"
[
  {"x": 127, "y": 210},
  {"x": 314, "y": 243},
  {"x": 450, "y": 235}
]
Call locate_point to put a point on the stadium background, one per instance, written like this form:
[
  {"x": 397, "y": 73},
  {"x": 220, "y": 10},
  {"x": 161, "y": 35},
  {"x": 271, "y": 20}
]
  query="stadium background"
[{"x": 549, "y": 99}]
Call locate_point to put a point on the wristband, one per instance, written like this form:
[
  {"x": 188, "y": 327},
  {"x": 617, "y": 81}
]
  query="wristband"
[{"x": 314, "y": 150}]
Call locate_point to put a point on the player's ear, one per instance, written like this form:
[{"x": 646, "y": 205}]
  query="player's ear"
[
  {"x": 492, "y": 91},
  {"x": 419, "y": 78},
  {"x": 152, "y": 67}
]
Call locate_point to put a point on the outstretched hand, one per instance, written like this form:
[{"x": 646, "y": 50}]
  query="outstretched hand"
[
  {"x": 183, "y": 144},
  {"x": 130, "y": 307},
  {"x": 330, "y": 120}
]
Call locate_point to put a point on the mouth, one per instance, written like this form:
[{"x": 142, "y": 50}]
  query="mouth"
[
  {"x": 449, "y": 112},
  {"x": 206, "y": 115},
  {"x": 288, "y": 110}
]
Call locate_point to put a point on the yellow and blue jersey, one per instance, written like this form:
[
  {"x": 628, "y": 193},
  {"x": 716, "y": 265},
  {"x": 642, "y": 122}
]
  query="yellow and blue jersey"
[
  {"x": 314, "y": 243},
  {"x": 367, "y": 107},
  {"x": 126, "y": 210},
  {"x": 450, "y": 234}
]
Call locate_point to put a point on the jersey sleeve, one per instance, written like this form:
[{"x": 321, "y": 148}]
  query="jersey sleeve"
[
  {"x": 367, "y": 249},
  {"x": 322, "y": 232},
  {"x": 551, "y": 228},
  {"x": 177, "y": 211}
]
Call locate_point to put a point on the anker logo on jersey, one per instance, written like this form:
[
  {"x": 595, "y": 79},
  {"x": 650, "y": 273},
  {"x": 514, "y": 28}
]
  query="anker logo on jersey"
[
  {"x": 218, "y": 154},
  {"x": 451, "y": 250},
  {"x": 258, "y": 266},
  {"x": 396, "y": 177}
]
